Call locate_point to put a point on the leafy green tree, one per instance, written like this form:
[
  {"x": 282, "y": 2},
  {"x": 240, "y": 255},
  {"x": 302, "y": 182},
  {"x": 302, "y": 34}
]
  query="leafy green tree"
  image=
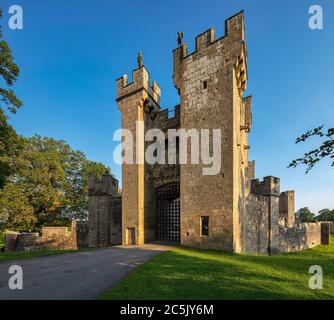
[
  {"x": 16, "y": 212},
  {"x": 77, "y": 194},
  {"x": 325, "y": 150},
  {"x": 37, "y": 175},
  {"x": 49, "y": 179},
  {"x": 10, "y": 145},
  {"x": 305, "y": 215},
  {"x": 9, "y": 72},
  {"x": 10, "y": 142},
  {"x": 42, "y": 180},
  {"x": 326, "y": 215}
]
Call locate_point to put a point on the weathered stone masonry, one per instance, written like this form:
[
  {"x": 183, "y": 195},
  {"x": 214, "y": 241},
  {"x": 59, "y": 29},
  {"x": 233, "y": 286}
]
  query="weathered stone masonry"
[
  {"x": 105, "y": 218},
  {"x": 173, "y": 202}
]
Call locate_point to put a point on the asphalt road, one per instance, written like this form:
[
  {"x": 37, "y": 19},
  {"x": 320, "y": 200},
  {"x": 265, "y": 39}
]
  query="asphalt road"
[{"x": 78, "y": 276}]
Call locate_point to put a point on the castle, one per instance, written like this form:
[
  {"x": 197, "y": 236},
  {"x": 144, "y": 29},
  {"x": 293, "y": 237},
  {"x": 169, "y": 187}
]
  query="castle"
[{"x": 231, "y": 211}]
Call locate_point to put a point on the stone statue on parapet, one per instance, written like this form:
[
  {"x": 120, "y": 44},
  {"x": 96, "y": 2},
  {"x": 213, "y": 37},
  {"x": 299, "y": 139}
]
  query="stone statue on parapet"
[
  {"x": 140, "y": 59},
  {"x": 179, "y": 38}
]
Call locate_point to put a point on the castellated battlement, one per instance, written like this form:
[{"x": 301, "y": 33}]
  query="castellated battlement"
[
  {"x": 231, "y": 47},
  {"x": 168, "y": 119},
  {"x": 107, "y": 186},
  {"x": 287, "y": 207},
  {"x": 140, "y": 81},
  {"x": 270, "y": 186},
  {"x": 230, "y": 211}
]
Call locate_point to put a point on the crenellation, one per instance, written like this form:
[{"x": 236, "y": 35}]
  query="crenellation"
[
  {"x": 108, "y": 185},
  {"x": 235, "y": 26},
  {"x": 205, "y": 39},
  {"x": 269, "y": 186},
  {"x": 231, "y": 210},
  {"x": 141, "y": 81},
  {"x": 287, "y": 207}
]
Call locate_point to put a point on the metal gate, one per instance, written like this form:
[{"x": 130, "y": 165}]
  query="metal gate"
[{"x": 168, "y": 212}]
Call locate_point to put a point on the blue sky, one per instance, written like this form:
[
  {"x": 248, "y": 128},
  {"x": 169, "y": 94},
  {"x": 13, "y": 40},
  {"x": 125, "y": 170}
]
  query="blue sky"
[{"x": 70, "y": 53}]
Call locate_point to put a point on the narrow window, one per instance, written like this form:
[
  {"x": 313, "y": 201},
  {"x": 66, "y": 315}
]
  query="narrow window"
[
  {"x": 204, "y": 226},
  {"x": 205, "y": 84}
]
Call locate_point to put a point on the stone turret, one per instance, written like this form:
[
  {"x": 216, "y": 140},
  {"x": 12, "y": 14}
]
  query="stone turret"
[
  {"x": 101, "y": 213},
  {"x": 210, "y": 82},
  {"x": 287, "y": 207},
  {"x": 269, "y": 186},
  {"x": 108, "y": 185},
  {"x": 138, "y": 102}
]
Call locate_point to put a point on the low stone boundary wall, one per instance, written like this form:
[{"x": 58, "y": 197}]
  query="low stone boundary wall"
[
  {"x": 303, "y": 236},
  {"x": 54, "y": 238}
]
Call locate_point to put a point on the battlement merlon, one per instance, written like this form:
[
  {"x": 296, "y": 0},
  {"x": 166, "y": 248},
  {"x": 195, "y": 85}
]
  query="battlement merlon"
[
  {"x": 108, "y": 185},
  {"x": 140, "y": 81},
  {"x": 270, "y": 186},
  {"x": 234, "y": 33}
]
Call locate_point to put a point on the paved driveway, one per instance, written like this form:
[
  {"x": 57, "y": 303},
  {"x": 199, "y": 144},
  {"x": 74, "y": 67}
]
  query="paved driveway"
[{"x": 83, "y": 275}]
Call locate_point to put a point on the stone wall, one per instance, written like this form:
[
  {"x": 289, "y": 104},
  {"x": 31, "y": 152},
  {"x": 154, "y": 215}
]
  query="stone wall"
[
  {"x": 115, "y": 221},
  {"x": 82, "y": 234},
  {"x": 300, "y": 237},
  {"x": 287, "y": 207},
  {"x": 331, "y": 226},
  {"x": 138, "y": 101},
  {"x": 53, "y": 238},
  {"x": 255, "y": 225},
  {"x": 244, "y": 214},
  {"x": 105, "y": 218},
  {"x": 210, "y": 82},
  {"x": 268, "y": 224}
]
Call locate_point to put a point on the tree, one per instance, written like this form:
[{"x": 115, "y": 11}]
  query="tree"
[
  {"x": 49, "y": 179},
  {"x": 305, "y": 215},
  {"x": 16, "y": 211},
  {"x": 326, "y": 215},
  {"x": 9, "y": 141},
  {"x": 9, "y": 71},
  {"x": 42, "y": 180},
  {"x": 36, "y": 175},
  {"x": 325, "y": 150},
  {"x": 10, "y": 144}
]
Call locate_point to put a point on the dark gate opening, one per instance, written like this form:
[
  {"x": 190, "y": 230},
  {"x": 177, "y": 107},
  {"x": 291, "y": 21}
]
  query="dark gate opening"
[{"x": 168, "y": 212}]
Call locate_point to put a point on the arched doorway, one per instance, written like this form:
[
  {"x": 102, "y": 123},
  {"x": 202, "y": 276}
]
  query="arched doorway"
[{"x": 168, "y": 212}]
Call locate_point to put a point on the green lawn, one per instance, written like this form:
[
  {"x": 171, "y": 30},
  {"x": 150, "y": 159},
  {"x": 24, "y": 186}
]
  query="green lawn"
[{"x": 196, "y": 274}]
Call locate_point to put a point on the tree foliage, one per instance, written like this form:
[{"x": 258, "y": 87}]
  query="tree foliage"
[
  {"x": 10, "y": 142},
  {"x": 305, "y": 215},
  {"x": 326, "y": 215},
  {"x": 10, "y": 145},
  {"x": 42, "y": 180},
  {"x": 48, "y": 185},
  {"x": 325, "y": 150},
  {"x": 9, "y": 71}
]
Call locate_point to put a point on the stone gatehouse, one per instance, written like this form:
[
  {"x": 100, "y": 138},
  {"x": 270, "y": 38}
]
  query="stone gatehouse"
[{"x": 232, "y": 211}]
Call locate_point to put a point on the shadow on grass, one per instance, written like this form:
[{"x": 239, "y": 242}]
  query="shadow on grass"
[{"x": 196, "y": 274}]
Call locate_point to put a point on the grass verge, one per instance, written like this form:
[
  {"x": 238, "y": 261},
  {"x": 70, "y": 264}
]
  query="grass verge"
[
  {"x": 197, "y": 274},
  {"x": 5, "y": 256}
]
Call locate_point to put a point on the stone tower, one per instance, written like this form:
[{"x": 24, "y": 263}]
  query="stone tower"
[
  {"x": 287, "y": 207},
  {"x": 229, "y": 210},
  {"x": 138, "y": 102},
  {"x": 104, "y": 216},
  {"x": 211, "y": 82}
]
